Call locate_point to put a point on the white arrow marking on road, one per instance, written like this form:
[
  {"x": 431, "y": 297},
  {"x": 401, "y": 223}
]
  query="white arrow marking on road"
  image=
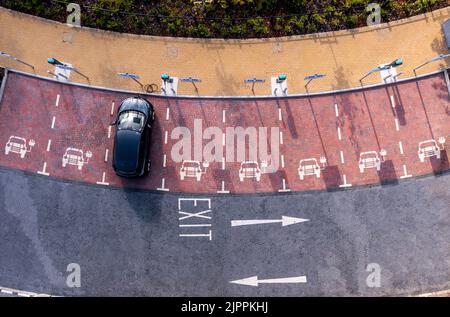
[
  {"x": 253, "y": 281},
  {"x": 285, "y": 221}
]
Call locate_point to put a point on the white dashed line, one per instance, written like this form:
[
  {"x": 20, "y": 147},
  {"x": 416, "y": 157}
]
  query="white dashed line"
[
  {"x": 282, "y": 161},
  {"x": 53, "y": 122},
  {"x": 48, "y": 145},
  {"x": 162, "y": 188},
  {"x": 400, "y": 145},
  {"x": 223, "y": 139},
  {"x": 405, "y": 173},
  {"x": 223, "y": 115},
  {"x": 345, "y": 184},
  {"x": 284, "y": 189},
  {"x": 167, "y": 113},
  {"x": 279, "y": 114},
  {"x": 339, "y": 133},
  {"x": 57, "y": 100},
  {"x": 392, "y": 102},
  {"x": 223, "y": 191},
  {"x": 112, "y": 108},
  {"x": 106, "y": 155},
  {"x": 164, "y": 160},
  {"x": 109, "y": 132},
  {"x": 281, "y": 137},
  {"x": 166, "y": 134},
  {"x": 336, "y": 110},
  {"x": 397, "y": 127},
  {"x": 43, "y": 172},
  {"x": 103, "y": 182},
  {"x": 223, "y": 163},
  {"x": 342, "y": 157}
]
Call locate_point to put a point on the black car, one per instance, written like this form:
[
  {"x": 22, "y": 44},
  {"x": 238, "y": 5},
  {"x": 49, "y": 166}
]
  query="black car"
[{"x": 132, "y": 140}]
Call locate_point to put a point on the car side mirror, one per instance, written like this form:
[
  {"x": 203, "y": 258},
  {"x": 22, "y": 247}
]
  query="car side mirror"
[{"x": 113, "y": 123}]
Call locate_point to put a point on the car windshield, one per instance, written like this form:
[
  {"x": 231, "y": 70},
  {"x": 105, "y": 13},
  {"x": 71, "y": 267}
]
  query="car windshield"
[{"x": 131, "y": 120}]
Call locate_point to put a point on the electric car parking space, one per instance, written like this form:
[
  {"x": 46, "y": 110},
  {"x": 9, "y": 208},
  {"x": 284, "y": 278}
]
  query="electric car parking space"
[{"x": 212, "y": 145}]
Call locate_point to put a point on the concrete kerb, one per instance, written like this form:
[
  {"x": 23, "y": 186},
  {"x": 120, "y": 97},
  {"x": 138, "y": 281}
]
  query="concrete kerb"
[
  {"x": 268, "y": 97},
  {"x": 2, "y": 87}
]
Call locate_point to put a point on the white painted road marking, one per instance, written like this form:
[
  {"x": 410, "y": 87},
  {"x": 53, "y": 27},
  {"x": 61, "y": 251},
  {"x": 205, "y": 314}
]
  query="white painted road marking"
[
  {"x": 342, "y": 157},
  {"x": 285, "y": 221},
  {"x": 57, "y": 100},
  {"x": 163, "y": 182},
  {"x": 281, "y": 137},
  {"x": 336, "y": 110},
  {"x": 197, "y": 235},
  {"x": 282, "y": 161},
  {"x": 43, "y": 172},
  {"x": 165, "y": 137},
  {"x": 223, "y": 191},
  {"x": 48, "y": 145},
  {"x": 223, "y": 163},
  {"x": 344, "y": 177},
  {"x": 397, "y": 127},
  {"x": 339, "y": 134},
  {"x": 199, "y": 214},
  {"x": 112, "y": 108},
  {"x": 392, "y": 102},
  {"x": 284, "y": 189},
  {"x": 405, "y": 173},
  {"x": 253, "y": 281},
  {"x": 164, "y": 160},
  {"x": 223, "y": 139},
  {"x": 12, "y": 291},
  {"x": 279, "y": 114},
  {"x": 53, "y": 122},
  {"x": 106, "y": 155},
  {"x": 109, "y": 132},
  {"x": 196, "y": 225},
  {"x": 167, "y": 113},
  {"x": 400, "y": 145},
  {"x": 223, "y": 115},
  {"x": 103, "y": 180}
]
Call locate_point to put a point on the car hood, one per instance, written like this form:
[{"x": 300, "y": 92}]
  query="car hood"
[{"x": 126, "y": 151}]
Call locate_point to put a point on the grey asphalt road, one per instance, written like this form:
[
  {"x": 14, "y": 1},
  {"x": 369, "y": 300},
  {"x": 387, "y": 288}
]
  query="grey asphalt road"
[{"x": 128, "y": 242}]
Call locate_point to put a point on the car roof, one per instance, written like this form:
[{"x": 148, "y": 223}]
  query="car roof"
[{"x": 137, "y": 104}]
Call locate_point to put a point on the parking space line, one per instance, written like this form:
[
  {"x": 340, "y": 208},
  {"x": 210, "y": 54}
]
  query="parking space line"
[
  {"x": 223, "y": 163},
  {"x": 103, "y": 182},
  {"x": 167, "y": 113},
  {"x": 339, "y": 133},
  {"x": 106, "y": 155},
  {"x": 282, "y": 161},
  {"x": 48, "y": 145},
  {"x": 279, "y": 114},
  {"x": 336, "y": 110},
  {"x": 109, "y": 132},
  {"x": 284, "y": 189},
  {"x": 43, "y": 172},
  {"x": 57, "y": 100},
  {"x": 53, "y": 122},
  {"x": 223, "y": 191},
  {"x": 342, "y": 157},
  {"x": 165, "y": 137},
  {"x": 223, "y": 139},
  {"x": 405, "y": 173},
  {"x": 400, "y": 145},
  {"x": 392, "y": 101},
  {"x": 397, "y": 127},
  {"x": 164, "y": 160},
  {"x": 281, "y": 137},
  {"x": 345, "y": 184},
  {"x": 162, "y": 188},
  {"x": 112, "y": 108},
  {"x": 223, "y": 115}
]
